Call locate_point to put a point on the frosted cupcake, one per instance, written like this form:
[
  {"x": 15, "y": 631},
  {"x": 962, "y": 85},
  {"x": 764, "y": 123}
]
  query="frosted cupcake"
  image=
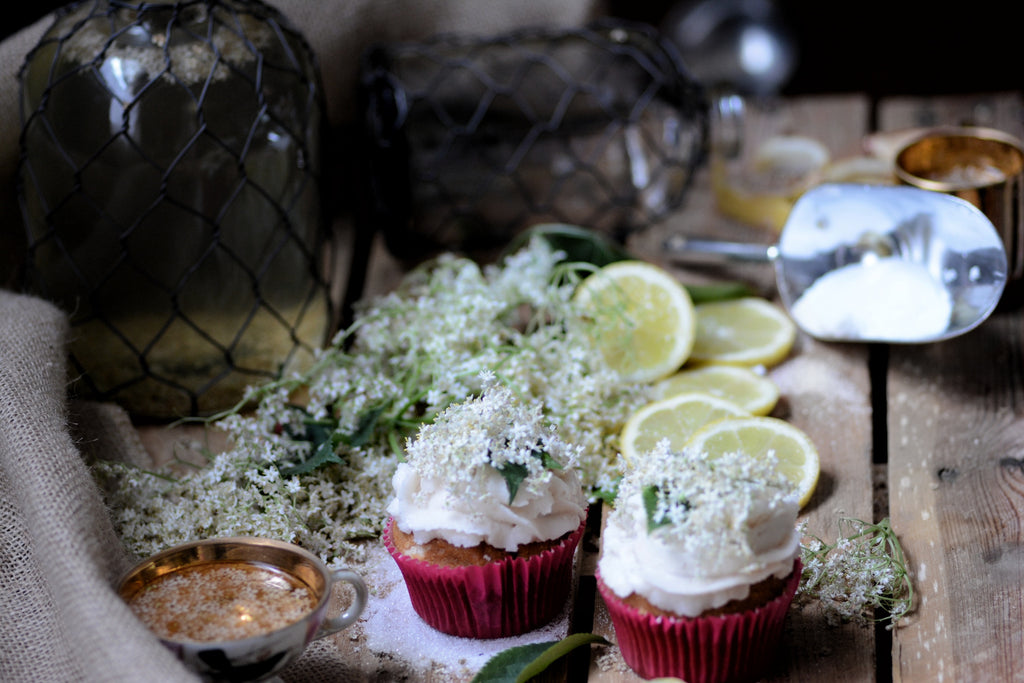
[
  {"x": 487, "y": 514},
  {"x": 699, "y": 564}
]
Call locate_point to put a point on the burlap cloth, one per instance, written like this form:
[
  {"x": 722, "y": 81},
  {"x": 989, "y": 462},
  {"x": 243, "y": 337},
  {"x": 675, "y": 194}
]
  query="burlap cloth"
[{"x": 60, "y": 619}]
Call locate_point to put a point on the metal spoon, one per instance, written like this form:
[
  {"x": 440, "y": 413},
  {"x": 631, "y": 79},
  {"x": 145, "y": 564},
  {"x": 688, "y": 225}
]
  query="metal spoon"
[{"x": 836, "y": 226}]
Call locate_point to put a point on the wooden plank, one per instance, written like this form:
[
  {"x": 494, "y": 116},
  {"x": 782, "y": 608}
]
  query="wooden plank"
[
  {"x": 825, "y": 391},
  {"x": 998, "y": 110},
  {"x": 955, "y": 449},
  {"x": 956, "y": 482}
]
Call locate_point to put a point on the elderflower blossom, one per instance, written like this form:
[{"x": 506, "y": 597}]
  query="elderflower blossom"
[
  {"x": 409, "y": 355},
  {"x": 861, "y": 577},
  {"x": 490, "y": 432},
  {"x": 704, "y": 505}
]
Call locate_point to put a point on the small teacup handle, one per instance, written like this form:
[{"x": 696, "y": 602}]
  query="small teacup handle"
[{"x": 349, "y": 616}]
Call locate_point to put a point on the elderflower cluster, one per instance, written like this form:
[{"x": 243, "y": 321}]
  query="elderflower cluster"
[
  {"x": 706, "y": 505},
  {"x": 313, "y": 463},
  {"x": 241, "y": 494},
  {"x": 863, "y": 576},
  {"x": 492, "y": 431}
]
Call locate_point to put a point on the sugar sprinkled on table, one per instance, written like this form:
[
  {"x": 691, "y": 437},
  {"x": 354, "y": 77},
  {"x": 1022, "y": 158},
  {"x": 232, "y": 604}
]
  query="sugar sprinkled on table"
[{"x": 390, "y": 625}]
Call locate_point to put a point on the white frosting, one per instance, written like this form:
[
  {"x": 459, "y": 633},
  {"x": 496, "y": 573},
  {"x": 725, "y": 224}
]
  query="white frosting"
[
  {"x": 719, "y": 526},
  {"x": 488, "y": 470},
  {"x": 672, "y": 574},
  {"x": 466, "y": 515}
]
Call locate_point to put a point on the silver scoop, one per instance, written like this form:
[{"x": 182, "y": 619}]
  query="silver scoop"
[{"x": 873, "y": 263}]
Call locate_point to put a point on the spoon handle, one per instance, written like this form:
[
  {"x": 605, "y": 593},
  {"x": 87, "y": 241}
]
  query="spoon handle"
[{"x": 689, "y": 250}]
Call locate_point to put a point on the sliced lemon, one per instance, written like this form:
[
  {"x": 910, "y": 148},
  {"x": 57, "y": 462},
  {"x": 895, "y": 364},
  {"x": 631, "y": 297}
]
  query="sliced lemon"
[
  {"x": 759, "y": 436},
  {"x": 789, "y": 159},
  {"x": 869, "y": 170},
  {"x": 676, "y": 419},
  {"x": 762, "y": 191},
  {"x": 748, "y": 331},
  {"x": 759, "y": 209},
  {"x": 644, "y": 321},
  {"x": 749, "y": 390}
]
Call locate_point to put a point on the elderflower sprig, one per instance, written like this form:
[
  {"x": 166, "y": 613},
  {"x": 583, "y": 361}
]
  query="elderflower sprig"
[
  {"x": 496, "y": 432},
  {"x": 863, "y": 576}
]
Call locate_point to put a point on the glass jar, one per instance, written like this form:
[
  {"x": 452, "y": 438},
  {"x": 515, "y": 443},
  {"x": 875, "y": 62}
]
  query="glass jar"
[{"x": 169, "y": 182}]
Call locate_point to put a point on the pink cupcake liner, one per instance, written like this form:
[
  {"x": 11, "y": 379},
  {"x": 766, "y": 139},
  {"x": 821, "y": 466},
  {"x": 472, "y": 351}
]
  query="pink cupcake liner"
[
  {"x": 496, "y": 600},
  {"x": 712, "y": 649}
]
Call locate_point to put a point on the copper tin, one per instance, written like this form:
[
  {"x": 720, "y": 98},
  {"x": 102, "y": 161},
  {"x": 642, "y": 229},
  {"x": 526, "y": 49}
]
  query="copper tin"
[{"x": 983, "y": 166}]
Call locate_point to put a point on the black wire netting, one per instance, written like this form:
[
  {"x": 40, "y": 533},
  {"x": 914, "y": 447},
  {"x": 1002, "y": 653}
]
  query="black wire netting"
[
  {"x": 471, "y": 141},
  {"x": 169, "y": 182}
]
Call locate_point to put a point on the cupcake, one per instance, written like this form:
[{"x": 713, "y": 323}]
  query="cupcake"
[
  {"x": 699, "y": 564},
  {"x": 487, "y": 513}
]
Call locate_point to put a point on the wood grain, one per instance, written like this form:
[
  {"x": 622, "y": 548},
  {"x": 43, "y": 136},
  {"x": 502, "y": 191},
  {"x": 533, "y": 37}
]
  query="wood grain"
[{"x": 955, "y": 447}]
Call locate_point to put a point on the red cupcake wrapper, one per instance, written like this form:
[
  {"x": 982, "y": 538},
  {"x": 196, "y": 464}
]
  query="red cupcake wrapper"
[
  {"x": 496, "y": 600},
  {"x": 712, "y": 649}
]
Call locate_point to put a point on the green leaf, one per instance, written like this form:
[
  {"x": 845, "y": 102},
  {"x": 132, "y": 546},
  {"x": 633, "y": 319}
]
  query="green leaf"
[
  {"x": 650, "y": 498},
  {"x": 323, "y": 455},
  {"x": 547, "y": 461},
  {"x": 514, "y": 474},
  {"x": 521, "y": 663},
  {"x": 719, "y": 292},
  {"x": 609, "y": 493},
  {"x": 324, "y": 438},
  {"x": 579, "y": 244},
  {"x": 556, "y": 652},
  {"x": 506, "y": 666},
  {"x": 318, "y": 433},
  {"x": 364, "y": 430}
]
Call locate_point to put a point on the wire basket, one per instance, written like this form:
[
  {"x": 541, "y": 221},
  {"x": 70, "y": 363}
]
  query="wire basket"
[
  {"x": 473, "y": 140},
  {"x": 169, "y": 183}
]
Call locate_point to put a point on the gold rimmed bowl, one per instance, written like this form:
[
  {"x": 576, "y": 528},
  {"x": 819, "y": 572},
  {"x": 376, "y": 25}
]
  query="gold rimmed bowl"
[{"x": 238, "y": 608}]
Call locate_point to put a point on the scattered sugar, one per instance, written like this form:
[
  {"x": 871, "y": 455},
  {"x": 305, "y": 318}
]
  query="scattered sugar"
[
  {"x": 969, "y": 175},
  {"x": 221, "y": 601},
  {"x": 819, "y": 375},
  {"x": 888, "y": 299},
  {"x": 390, "y": 626}
]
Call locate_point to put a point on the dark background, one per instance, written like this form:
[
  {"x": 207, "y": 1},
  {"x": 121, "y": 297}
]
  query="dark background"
[
  {"x": 892, "y": 47},
  {"x": 872, "y": 46}
]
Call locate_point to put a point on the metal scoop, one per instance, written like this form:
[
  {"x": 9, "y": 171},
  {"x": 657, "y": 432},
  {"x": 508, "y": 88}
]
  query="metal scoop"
[{"x": 939, "y": 254}]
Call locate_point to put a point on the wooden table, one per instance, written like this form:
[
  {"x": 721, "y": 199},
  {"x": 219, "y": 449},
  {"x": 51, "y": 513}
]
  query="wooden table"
[{"x": 931, "y": 436}]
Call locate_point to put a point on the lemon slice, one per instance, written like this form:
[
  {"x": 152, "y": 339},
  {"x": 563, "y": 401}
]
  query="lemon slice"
[
  {"x": 748, "y": 331},
  {"x": 787, "y": 162},
  {"x": 753, "y": 392},
  {"x": 644, "y": 319},
  {"x": 860, "y": 169},
  {"x": 762, "y": 192},
  {"x": 759, "y": 436},
  {"x": 676, "y": 419}
]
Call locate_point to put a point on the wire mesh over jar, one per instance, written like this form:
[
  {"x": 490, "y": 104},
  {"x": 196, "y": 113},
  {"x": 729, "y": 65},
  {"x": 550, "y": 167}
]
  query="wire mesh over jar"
[
  {"x": 473, "y": 140},
  {"x": 169, "y": 182}
]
